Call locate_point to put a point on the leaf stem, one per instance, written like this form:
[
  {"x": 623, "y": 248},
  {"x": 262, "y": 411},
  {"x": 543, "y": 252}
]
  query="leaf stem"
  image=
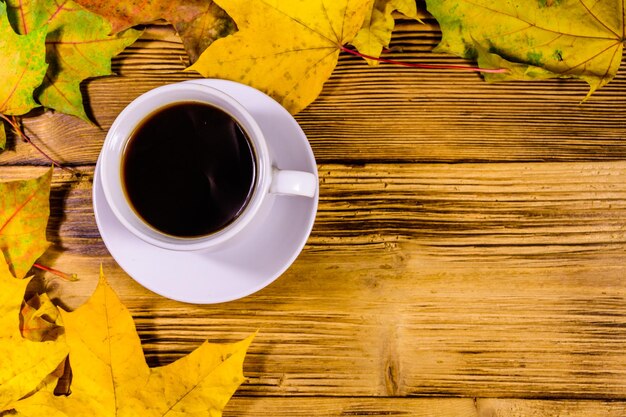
[
  {"x": 425, "y": 66},
  {"x": 16, "y": 128},
  {"x": 60, "y": 274}
]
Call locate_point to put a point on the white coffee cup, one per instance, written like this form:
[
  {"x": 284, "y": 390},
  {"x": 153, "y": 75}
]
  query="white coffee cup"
[{"x": 269, "y": 179}]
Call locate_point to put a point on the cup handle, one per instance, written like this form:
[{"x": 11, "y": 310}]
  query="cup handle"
[{"x": 293, "y": 183}]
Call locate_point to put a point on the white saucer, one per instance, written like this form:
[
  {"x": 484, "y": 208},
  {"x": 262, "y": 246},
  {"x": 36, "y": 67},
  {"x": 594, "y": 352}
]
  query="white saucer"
[{"x": 244, "y": 267}]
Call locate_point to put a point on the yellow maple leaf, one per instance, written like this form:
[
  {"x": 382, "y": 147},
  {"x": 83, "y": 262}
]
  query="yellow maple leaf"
[
  {"x": 536, "y": 40},
  {"x": 287, "y": 49},
  {"x": 24, "y": 364},
  {"x": 111, "y": 377},
  {"x": 375, "y": 33},
  {"x": 40, "y": 321}
]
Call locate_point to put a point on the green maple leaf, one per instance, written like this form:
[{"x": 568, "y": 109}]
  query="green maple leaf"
[
  {"x": 539, "y": 39},
  {"x": 22, "y": 70},
  {"x": 24, "y": 212},
  {"x": 78, "y": 46}
]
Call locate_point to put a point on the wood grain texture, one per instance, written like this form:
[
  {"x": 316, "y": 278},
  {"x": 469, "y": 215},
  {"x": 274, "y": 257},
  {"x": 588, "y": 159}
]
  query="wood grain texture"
[
  {"x": 350, "y": 407},
  {"x": 517, "y": 408},
  {"x": 467, "y": 280},
  {"x": 415, "y": 407},
  {"x": 552, "y": 213}
]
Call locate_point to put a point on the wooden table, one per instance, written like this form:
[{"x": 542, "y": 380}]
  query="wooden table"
[{"x": 468, "y": 257}]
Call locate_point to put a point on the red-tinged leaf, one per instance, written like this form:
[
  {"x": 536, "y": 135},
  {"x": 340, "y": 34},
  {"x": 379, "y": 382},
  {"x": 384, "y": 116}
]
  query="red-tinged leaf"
[
  {"x": 24, "y": 211},
  {"x": 198, "y": 22}
]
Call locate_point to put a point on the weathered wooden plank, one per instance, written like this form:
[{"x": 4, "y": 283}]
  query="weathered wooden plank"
[
  {"x": 350, "y": 407},
  {"x": 493, "y": 407},
  {"x": 550, "y": 214},
  {"x": 387, "y": 113},
  {"x": 466, "y": 280},
  {"x": 389, "y": 324},
  {"x": 417, "y": 407},
  {"x": 483, "y": 211}
]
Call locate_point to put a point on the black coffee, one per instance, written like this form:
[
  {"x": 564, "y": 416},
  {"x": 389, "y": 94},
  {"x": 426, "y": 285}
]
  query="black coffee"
[{"x": 188, "y": 169}]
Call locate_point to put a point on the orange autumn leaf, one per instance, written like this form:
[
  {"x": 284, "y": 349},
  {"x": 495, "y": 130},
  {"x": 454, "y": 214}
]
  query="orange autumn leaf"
[
  {"x": 285, "y": 49},
  {"x": 24, "y": 364},
  {"x": 24, "y": 212},
  {"x": 198, "y": 22},
  {"x": 111, "y": 377}
]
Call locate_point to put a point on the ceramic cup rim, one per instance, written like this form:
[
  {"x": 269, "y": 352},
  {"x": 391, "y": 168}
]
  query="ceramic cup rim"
[{"x": 122, "y": 130}]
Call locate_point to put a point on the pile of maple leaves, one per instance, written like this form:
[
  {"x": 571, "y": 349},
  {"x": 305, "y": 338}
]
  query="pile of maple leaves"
[
  {"x": 97, "y": 344},
  {"x": 289, "y": 49}
]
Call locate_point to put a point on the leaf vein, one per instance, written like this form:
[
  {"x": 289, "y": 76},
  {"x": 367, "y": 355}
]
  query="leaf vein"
[
  {"x": 305, "y": 73},
  {"x": 343, "y": 23},
  {"x": 194, "y": 386},
  {"x": 54, "y": 85},
  {"x": 246, "y": 58},
  {"x": 534, "y": 25},
  {"x": 587, "y": 60},
  {"x": 109, "y": 39},
  {"x": 56, "y": 12},
  {"x": 87, "y": 58},
  {"x": 24, "y": 27},
  {"x": 110, "y": 358},
  {"x": 17, "y": 83},
  {"x": 330, "y": 23},
  {"x": 18, "y": 209},
  {"x": 596, "y": 18},
  {"x": 623, "y": 22},
  {"x": 300, "y": 23}
]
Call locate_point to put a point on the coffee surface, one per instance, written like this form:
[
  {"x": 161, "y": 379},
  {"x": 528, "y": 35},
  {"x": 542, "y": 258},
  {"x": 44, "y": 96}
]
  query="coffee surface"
[{"x": 188, "y": 169}]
